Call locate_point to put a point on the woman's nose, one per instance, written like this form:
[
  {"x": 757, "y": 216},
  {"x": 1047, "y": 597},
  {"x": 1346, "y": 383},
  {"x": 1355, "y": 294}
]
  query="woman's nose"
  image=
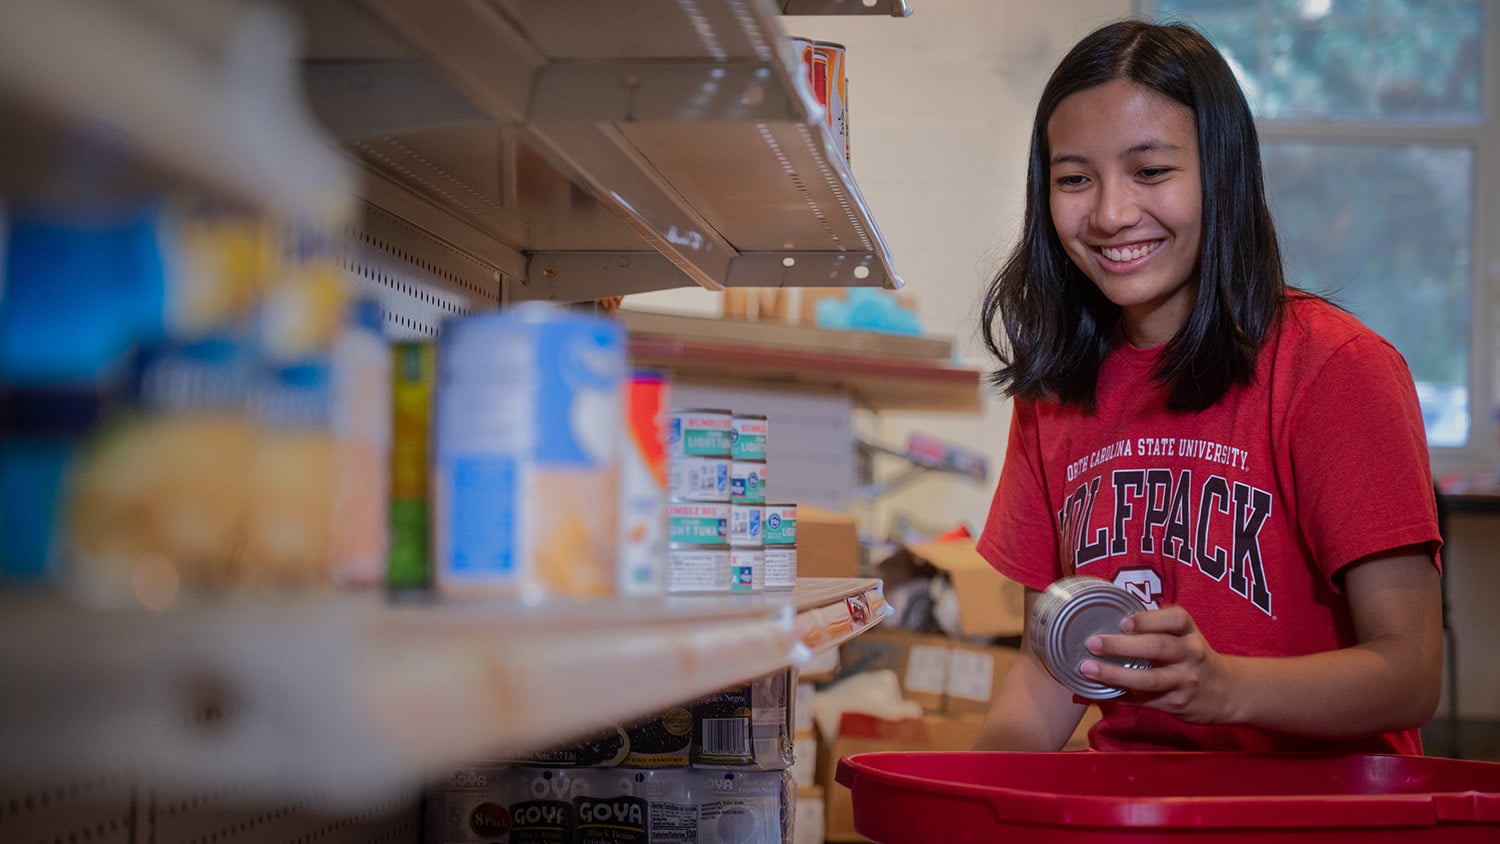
[{"x": 1115, "y": 207}]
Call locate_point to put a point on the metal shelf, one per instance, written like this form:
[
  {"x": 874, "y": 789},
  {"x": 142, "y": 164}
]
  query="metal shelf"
[
  {"x": 589, "y": 152},
  {"x": 354, "y": 700}
]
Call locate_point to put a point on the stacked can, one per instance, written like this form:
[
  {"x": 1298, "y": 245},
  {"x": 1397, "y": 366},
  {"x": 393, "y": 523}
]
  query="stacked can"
[
  {"x": 699, "y": 458},
  {"x": 781, "y": 546},
  {"x": 747, "y": 502}
]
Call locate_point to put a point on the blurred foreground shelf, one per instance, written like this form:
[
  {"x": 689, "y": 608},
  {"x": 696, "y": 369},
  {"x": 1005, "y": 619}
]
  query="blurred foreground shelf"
[{"x": 348, "y": 700}]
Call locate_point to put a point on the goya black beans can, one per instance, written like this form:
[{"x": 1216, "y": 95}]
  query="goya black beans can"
[{"x": 1066, "y": 615}]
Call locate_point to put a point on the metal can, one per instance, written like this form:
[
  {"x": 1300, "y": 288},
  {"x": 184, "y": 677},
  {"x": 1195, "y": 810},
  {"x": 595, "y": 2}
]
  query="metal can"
[
  {"x": 699, "y": 478},
  {"x": 747, "y": 569},
  {"x": 1066, "y": 615},
  {"x": 832, "y": 56},
  {"x": 643, "y": 486},
  {"x": 780, "y": 539},
  {"x": 700, "y": 432},
  {"x": 698, "y": 568},
  {"x": 747, "y": 437},
  {"x": 528, "y": 404},
  {"x": 823, "y": 62},
  {"x": 746, "y": 525},
  {"x": 747, "y": 482},
  {"x": 698, "y": 523}
]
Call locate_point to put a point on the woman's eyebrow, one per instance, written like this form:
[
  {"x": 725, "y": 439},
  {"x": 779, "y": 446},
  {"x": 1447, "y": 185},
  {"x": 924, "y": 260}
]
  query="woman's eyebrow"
[{"x": 1137, "y": 149}]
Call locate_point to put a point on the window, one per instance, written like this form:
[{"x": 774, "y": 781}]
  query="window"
[{"x": 1378, "y": 137}]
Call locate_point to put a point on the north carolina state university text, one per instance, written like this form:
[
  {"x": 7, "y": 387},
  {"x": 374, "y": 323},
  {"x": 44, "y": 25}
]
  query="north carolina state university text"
[{"x": 1212, "y": 525}]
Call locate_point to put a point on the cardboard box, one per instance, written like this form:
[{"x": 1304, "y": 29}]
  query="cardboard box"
[
  {"x": 942, "y": 675},
  {"x": 989, "y": 604},
  {"x": 827, "y": 543}
]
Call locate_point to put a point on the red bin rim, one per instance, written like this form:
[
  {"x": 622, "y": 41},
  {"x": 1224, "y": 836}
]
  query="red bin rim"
[{"x": 934, "y": 774}]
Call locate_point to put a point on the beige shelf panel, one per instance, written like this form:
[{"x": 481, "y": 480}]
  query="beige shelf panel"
[{"x": 354, "y": 700}]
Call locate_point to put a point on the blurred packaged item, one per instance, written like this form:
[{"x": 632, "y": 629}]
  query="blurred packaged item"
[
  {"x": 596, "y": 805},
  {"x": 292, "y": 484},
  {"x": 80, "y": 292},
  {"x": 747, "y": 725},
  {"x": 643, "y": 485},
  {"x": 361, "y": 423},
  {"x": 413, "y": 372},
  {"x": 526, "y": 487}
]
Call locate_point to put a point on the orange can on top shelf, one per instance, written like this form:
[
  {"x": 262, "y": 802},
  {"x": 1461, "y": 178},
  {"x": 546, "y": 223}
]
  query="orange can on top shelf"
[{"x": 825, "y": 65}]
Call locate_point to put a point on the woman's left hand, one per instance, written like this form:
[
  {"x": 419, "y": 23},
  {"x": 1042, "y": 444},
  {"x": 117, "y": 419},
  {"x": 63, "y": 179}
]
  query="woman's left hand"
[{"x": 1186, "y": 677}]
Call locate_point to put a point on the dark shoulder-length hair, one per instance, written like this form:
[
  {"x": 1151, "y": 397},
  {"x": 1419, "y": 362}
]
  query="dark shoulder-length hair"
[{"x": 1046, "y": 322}]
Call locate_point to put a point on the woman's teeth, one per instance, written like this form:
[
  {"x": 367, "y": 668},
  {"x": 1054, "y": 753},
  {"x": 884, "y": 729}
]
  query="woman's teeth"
[{"x": 1129, "y": 253}]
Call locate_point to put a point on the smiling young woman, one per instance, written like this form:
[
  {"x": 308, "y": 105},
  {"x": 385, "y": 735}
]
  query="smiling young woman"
[{"x": 1245, "y": 458}]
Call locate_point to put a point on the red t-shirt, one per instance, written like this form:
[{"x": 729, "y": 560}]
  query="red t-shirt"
[{"x": 1243, "y": 513}]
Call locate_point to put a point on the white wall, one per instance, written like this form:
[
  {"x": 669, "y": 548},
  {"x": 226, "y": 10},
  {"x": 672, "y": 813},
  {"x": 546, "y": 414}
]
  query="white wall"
[{"x": 940, "y": 109}]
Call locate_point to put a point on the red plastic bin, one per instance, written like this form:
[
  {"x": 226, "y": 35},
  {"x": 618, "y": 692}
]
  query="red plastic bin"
[{"x": 1085, "y": 797}]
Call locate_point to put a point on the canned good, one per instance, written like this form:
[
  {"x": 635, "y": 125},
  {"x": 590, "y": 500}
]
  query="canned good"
[
  {"x": 413, "y": 368},
  {"x": 700, "y": 432},
  {"x": 699, "y": 478},
  {"x": 698, "y": 568},
  {"x": 780, "y": 566},
  {"x": 824, "y": 64},
  {"x": 643, "y": 486},
  {"x": 747, "y": 482},
  {"x": 1066, "y": 615},
  {"x": 528, "y": 404},
  {"x": 747, "y": 436},
  {"x": 746, "y": 525},
  {"x": 832, "y": 57},
  {"x": 747, "y": 569},
  {"x": 698, "y": 523},
  {"x": 781, "y": 524}
]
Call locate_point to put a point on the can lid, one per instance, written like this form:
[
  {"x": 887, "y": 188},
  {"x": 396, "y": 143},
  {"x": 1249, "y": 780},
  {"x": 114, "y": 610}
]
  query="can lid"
[
  {"x": 1067, "y": 614},
  {"x": 717, "y": 411},
  {"x": 750, "y": 416}
]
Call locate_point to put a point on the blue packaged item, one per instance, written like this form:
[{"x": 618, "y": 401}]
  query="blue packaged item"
[{"x": 528, "y": 423}]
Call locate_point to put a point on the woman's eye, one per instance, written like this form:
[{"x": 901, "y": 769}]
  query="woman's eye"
[
  {"x": 1071, "y": 181},
  {"x": 1149, "y": 173}
]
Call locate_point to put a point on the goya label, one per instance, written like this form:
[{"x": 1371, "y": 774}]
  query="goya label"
[{"x": 611, "y": 820}]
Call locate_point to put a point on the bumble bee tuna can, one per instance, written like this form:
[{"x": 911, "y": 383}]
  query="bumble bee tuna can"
[{"x": 526, "y": 464}]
